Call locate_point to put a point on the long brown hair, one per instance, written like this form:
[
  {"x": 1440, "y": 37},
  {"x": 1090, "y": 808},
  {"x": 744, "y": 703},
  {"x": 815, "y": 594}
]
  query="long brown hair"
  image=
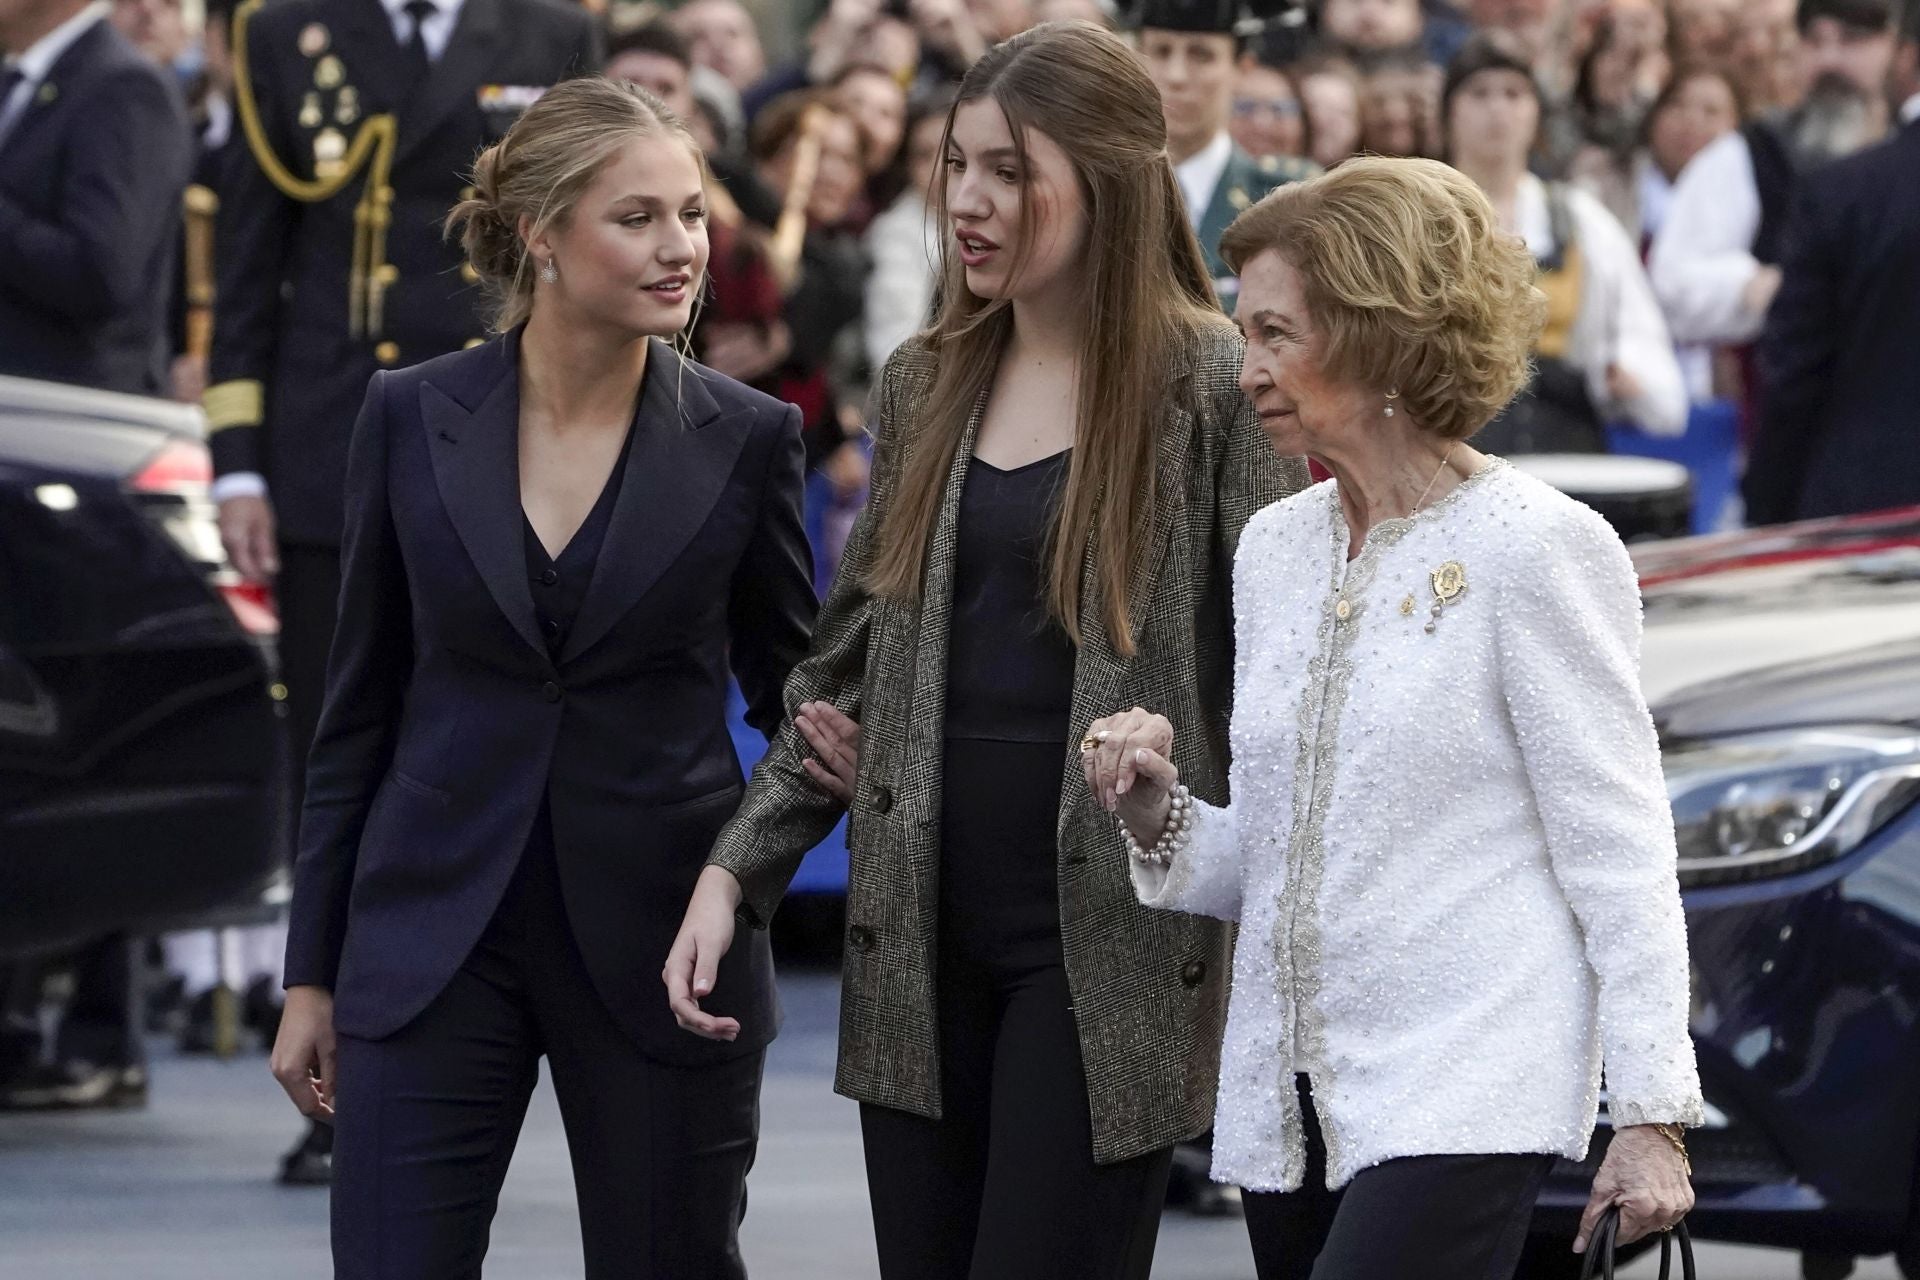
[{"x": 1147, "y": 295}]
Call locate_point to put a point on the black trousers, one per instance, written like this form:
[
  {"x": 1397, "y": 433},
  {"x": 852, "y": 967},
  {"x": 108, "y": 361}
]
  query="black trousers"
[
  {"x": 1004, "y": 1186},
  {"x": 1460, "y": 1216},
  {"x": 427, "y": 1119}
]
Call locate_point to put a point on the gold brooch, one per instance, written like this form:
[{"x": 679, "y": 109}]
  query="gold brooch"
[{"x": 1449, "y": 584}]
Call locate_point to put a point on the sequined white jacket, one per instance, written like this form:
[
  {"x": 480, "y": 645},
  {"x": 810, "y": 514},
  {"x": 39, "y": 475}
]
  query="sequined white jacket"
[{"x": 1449, "y": 849}]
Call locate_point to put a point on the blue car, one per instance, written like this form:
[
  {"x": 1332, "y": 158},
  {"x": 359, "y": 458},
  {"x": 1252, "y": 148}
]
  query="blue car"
[{"x": 1783, "y": 669}]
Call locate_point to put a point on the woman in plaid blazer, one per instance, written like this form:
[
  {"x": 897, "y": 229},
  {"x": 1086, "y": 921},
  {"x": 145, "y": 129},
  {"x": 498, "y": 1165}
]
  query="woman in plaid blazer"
[{"x": 1064, "y": 466}]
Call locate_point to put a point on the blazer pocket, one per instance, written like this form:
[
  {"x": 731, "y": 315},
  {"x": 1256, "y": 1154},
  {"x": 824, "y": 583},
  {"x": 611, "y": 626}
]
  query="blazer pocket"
[
  {"x": 732, "y": 791},
  {"x": 426, "y": 791}
]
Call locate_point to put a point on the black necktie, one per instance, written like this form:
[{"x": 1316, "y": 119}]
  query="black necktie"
[
  {"x": 10, "y": 78},
  {"x": 416, "y": 47}
]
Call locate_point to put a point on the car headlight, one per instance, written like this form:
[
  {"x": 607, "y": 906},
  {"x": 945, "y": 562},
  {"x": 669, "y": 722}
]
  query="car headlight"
[{"x": 1768, "y": 803}]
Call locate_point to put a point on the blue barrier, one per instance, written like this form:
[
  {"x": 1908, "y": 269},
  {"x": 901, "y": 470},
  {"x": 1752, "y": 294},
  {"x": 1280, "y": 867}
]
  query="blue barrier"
[{"x": 1709, "y": 449}]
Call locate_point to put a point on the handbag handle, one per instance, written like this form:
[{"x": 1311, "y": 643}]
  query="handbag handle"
[{"x": 1599, "y": 1257}]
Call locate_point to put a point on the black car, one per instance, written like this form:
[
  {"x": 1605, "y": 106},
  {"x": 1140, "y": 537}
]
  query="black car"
[
  {"x": 138, "y": 719},
  {"x": 1783, "y": 668}
]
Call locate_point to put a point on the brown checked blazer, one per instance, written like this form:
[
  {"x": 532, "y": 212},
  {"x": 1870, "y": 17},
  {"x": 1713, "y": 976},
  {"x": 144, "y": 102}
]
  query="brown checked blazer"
[{"x": 1149, "y": 987}]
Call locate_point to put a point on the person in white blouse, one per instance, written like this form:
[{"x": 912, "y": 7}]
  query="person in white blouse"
[
  {"x": 1603, "y": 323},
  {"x": 1448, "y": 849}
]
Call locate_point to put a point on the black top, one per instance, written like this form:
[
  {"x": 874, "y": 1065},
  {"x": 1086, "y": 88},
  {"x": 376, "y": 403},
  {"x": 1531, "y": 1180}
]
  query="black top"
[
  {"x": 1009, "y": 665},
  {"x": 560, "y": 583}
]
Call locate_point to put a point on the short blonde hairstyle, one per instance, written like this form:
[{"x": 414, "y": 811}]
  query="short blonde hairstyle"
[{"x": 1413, "y": 284}]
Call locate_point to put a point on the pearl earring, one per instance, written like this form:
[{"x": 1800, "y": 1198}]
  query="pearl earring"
[
  {"x": 1391, "y": 397},
  {"x": 549, "y": 274}
]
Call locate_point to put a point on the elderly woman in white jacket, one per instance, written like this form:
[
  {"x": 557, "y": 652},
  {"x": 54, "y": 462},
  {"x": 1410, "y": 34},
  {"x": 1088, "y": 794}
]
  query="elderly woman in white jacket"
[{"x": 1448, "y": 849}]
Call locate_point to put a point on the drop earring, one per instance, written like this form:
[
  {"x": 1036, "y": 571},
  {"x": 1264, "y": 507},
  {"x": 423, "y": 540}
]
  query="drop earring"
[
  {"x": 549, "y": 274},
  {"x": 1391, "y": 397}
]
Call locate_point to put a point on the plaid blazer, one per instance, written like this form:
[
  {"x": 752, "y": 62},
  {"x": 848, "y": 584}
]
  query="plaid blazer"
[{"x": 1149, "y": 987}]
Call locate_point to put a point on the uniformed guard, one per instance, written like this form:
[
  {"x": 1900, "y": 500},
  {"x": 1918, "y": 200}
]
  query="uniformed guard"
[
  {"x": 1190, "y": 47},
  {"x": 358, "y": 121}
]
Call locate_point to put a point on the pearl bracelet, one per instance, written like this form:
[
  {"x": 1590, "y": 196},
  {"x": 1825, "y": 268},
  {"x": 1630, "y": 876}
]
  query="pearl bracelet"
[{"x": 1174, "y": 836}]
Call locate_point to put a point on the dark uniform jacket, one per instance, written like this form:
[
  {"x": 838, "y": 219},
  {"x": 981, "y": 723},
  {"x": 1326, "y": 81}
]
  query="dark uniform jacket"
[
  {"x": 288, "y": 367},
  {"x": 90, "y": 179},
  {"x": 1242, "y": 183},
  {"x": 1839, "y": 358},
  {"x": 1149, "y": 987},
  {"x": 450, "y": 722}
]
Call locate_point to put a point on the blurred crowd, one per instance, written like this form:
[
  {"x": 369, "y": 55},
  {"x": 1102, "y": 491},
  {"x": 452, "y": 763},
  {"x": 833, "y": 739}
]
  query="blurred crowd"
[
  {"x": 1650, "y": 152},
  {"x": 1580, "y": 117}
]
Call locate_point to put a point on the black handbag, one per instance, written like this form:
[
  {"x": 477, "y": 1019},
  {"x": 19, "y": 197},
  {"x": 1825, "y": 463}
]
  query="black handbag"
[{"x": 1599, "y": 1257}]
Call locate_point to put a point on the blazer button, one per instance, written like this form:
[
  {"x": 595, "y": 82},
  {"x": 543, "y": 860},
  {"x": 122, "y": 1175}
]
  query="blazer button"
[
  {"x": 860, "y": 938},
  {"x": 548, "y": 577},
  {"x": 1194, "y": 973},
  {"x": 882, "y": 800},
  {"x": 551, "y": 691}
]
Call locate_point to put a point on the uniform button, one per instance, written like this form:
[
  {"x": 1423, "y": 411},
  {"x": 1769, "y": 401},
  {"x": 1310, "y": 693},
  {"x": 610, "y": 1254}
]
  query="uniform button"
[
  {"x": 387, "y": 353},
  {"x": 882, "y": 800},
  {"x": 860, "y": 938},
  {"x": 549, "y": 576},
  {"x": 550, "y": 691},
  {"x": 1194, "y": 973}
]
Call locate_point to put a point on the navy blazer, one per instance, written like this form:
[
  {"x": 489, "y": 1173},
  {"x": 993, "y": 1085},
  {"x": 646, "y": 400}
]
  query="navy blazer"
[
  {"x": 91, "y": 174},
  {"x": 1840, "y": 355},
  {"x": 446, "y": 721}
]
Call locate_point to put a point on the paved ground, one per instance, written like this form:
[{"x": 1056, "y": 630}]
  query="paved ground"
[{"x": 180, "y": 1191}]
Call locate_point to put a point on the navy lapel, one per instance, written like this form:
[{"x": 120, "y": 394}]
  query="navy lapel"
[
  {"x": 374, "y": 62},
  {"x": 47, "y": 94},
  {"x": 476, "y": 465},
  {"x": 479, "y": 33},
  {"x": 683, "y": 453}
]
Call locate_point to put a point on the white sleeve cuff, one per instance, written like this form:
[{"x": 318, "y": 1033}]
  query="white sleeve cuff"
[{"x": 239, "y": 484}]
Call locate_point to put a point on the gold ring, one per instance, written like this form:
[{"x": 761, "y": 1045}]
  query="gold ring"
[{"x": 1092, "y": 741}]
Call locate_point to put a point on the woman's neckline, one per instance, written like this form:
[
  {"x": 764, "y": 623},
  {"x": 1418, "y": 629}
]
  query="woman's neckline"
[
  {"x": 1025, "y": 466},
  {"x": 1394, "y": 526}
]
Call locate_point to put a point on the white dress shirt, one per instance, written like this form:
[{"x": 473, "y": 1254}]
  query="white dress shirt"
[
  {"x": 1702, "y": 258},
  {"x": 1199, "y": 175},
  {"x": 435, "y": 30},
  {"x": 904, "y": 245},
  {"x": 38, "y": 60},
  {"x": 1449, "y": 850},
  {"x": 1618, "y": 321}
]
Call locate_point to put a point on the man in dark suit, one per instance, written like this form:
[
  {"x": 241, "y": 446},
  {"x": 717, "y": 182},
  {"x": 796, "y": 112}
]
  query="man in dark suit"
[
  {"x": 94, "y": 154},
  {"x": 1190, "y": 47},
  {"x": 359, "y": 120},
  {"x": 1839, "y": 432}
]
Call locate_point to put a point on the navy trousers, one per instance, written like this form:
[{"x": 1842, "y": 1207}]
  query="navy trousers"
[{"x": 427, "y": 1119}]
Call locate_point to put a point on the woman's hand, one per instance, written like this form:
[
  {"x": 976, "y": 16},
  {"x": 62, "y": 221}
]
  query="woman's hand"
[
  {"x": 706, "y": 932},
  {"x": 303, "y": 1053},
  {"x": 1128, "y": 773},
  {"x": 1643, "y": 1174},
  {"x": 835, "y": 738}
]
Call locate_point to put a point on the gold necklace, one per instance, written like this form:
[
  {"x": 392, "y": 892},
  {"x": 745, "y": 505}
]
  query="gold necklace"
[{"x": 1422, "y": 499}]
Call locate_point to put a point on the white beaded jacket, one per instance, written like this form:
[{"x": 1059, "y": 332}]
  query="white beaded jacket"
[{"x": 1449, "y": 848}]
